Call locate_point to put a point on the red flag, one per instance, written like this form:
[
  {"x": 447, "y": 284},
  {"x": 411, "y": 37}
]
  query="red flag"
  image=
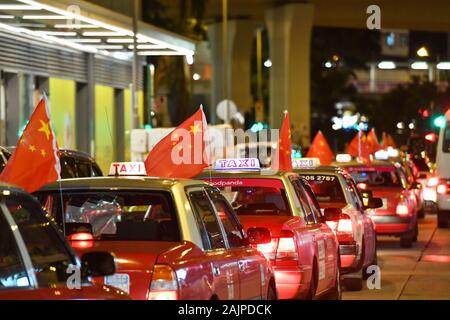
[
  {"x": 388, "y": 141},
  {"x": 321, "y": 149},
  {"x": 354, "y": 147},
  {"x": 372, "y": 141},
  {"x": 283, "y": 157},
  {"x": 181, "y": 154},
  {"x": 35, "y": 162}
]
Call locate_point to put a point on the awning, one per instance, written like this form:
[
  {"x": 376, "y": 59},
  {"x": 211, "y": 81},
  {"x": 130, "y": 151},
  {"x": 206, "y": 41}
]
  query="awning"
[{"x": 90, "y": 28}]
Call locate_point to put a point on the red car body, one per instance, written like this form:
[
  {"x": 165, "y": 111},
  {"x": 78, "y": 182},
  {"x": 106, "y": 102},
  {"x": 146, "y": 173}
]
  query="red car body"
[
  {"x": 398, "y": 216},
  {"x": 303, "y": 253},
  {"x": 193, "y": 270}
]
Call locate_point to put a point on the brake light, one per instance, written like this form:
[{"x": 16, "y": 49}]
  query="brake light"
[
  {"x": 362, "y": 186},
  {"x": 164, "y": 284},
  {"x": 345, "y": 225},
  {"x": 442, "y": 189},
  {"x": 283, "y": 248},
  {"x": 433, "y": 182},
  {"x": 343, "y": 228},
  {"x": 81, "y": 236},
  {"x": 402, "y": 209}
]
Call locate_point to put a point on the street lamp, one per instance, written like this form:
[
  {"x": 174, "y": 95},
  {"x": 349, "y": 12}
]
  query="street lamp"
[{"x": 422, "y": 52}]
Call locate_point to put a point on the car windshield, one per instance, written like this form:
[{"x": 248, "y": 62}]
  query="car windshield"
[
  {"x": 117, "y": 215},
  {"x": 377, "y": 177},
  {"x": 327, "y": 188},
  {"x": 255, "y": 196}
]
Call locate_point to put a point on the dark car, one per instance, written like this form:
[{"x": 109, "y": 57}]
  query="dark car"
[
  {"x": 36, "y": 262},
  {"x": 74, "y": 164}
]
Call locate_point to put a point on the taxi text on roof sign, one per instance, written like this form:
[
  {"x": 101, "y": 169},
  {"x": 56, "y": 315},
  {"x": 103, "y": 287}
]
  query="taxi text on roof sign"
[
  {"x": 305, "y": 163},
  {"x": 127, "y": 169},
  {"x": 239, "y": 163}
]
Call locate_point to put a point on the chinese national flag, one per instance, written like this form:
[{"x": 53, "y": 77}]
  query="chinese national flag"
[
  {"x": 283, "y": 157},
  {"x": 388, "y": 141},
  {"x": 181, "y": 154},
  {"x": 353, "y": 147},
  {"x": 35, "y": 161},
  {"x": 372, "y": 140},
  {"x": 321, "y": 149}
]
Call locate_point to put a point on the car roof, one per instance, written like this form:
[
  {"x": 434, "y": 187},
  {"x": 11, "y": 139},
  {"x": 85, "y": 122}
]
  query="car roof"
[
  {"x": 210, "y": 173},
  {"x": 104, "y": 183},
  {"x": 321, "y": 169},
  {"x": 374, "y": 163}
]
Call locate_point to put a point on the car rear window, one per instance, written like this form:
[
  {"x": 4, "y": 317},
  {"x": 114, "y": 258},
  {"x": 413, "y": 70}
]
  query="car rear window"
[
  {"x": 117, "y": 215},
  {"x": 327, "y": 188},
  {"x": 265, "y": 197},
  {"x": 376, "y": 176},
  {"x": 421, "y": 164}
]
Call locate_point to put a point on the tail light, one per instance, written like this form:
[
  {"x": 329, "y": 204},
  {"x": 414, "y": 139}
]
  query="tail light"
[
  {"x": 343, "y": 228},
  {"x": 362, "y": 186},
  {"x": 402, "y": 209},
  {"x": 442, "y": 189},
  {"x": 81, "y": 240},
  {"x": 282, "y": 249},
  {"x": 81, "y": 236},
  {"x": 433, "y": 182},
  {"x": 164, "y": 284}
]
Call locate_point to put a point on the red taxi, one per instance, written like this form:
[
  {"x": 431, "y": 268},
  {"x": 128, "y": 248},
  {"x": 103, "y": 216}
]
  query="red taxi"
[
  {"x": 398, "y": 215},
  {"x": 173, "y": 239},
  {"x": 303, "y": 250},
  {"x": 36, "y": 263},
  {"x": 338, "y": 195}
]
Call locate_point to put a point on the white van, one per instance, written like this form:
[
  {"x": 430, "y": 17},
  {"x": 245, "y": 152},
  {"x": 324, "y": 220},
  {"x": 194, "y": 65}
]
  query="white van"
[{"x": 443, "y": 172}]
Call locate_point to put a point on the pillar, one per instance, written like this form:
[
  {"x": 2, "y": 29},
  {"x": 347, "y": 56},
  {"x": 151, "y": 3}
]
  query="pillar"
[
  {"x": 240, "y": 39},
  {"x": 290, "y": 29}
]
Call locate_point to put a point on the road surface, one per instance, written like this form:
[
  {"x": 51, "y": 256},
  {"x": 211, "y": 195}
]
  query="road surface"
[{"x": 422, "y": 272}]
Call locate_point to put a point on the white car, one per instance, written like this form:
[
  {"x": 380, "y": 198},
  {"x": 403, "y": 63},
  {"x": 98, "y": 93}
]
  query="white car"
[{"x": 443, "y": 174}]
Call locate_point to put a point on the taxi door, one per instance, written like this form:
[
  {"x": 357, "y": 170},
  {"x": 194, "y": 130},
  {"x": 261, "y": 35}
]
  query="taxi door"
[
  {"x": 251, "y": 266},
  {"x": 322, "y": 238},
  {"x": 224, "y": 267}
]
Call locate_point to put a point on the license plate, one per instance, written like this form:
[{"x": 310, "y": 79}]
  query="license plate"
[
  {"x": 120, "y": 281},
  {"x": 385, "y": 204}
]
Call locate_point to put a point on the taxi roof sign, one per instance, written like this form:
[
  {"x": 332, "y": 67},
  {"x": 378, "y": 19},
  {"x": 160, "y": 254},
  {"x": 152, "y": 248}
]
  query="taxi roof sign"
[
  {"x": 237, "y": 164},
  {"x": 127, "y": 169},
  {"x": 381, "y": 155},
  {"x": 343, "y": 157},
  {"x": 306, "y": 163}
]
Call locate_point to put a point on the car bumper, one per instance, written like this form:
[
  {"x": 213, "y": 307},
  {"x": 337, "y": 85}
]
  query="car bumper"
[
  {"x": 392, "y": 225},
  {"x": 290, "y": 282}
]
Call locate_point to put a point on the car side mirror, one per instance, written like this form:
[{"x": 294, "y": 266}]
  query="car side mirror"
[
  {"x": 332, "y": 214},
  {"x": 259, "y": 235},
  {"x": 374, "y": 203},
  {"x": 98, "y": 264}
]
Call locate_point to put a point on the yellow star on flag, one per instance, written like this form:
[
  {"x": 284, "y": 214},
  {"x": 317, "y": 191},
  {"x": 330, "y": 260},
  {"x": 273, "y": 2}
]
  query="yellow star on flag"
[
  {"x": 32, "y": 148},
  {"x": 43, "y": 153},
  {"x": 45, "y": 129},
  {"x": 195, "y": 129}
]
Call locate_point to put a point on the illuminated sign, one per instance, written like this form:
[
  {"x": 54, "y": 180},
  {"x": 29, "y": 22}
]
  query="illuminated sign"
[
  {"x": 127, "y": 169},
  {"x": 237, "y": 164}
]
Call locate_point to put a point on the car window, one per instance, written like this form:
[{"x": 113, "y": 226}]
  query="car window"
[
  {"x": 83, "y": 169},
  {"x": 233, "y": 229},
  {"x": 327, "y": 189},
  {"x": 376, "y": 176},
  {"x": 12, "y": 270},
  {"x": 255, "y": 196},
  {"x": 117, "y": 214},
  {"x": 315, "y": 207},
  {"x": 207, "y": 220},
  {"x": 47, "y": 250},
  {"x": 68, "y": 168},
  {"x": 354, "y": 193},
  {"x": 309, "y": 215}
]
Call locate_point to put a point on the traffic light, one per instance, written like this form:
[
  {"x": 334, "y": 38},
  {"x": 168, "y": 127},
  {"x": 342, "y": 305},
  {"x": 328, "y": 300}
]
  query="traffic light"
[{"x": 439, "y": 121}]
